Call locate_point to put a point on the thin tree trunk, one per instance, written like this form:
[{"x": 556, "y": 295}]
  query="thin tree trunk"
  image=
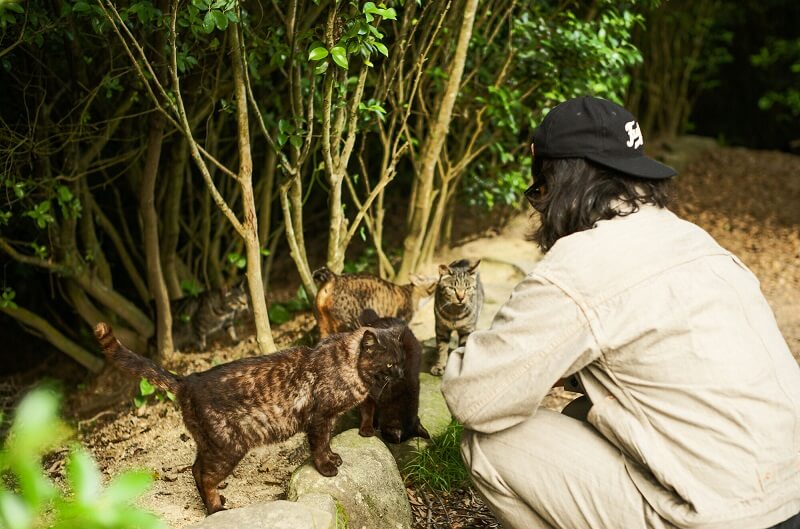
[
  {"x": 296, "y": 251},
  {"x": 152, "y": 251},
  {"x": 122, "y": 251},
  {"x": 250, "y": 232},
  {"x": 412, "y": 244},
  {"x": 54, "y": 337},
  {"x": 172, "y": 216}
]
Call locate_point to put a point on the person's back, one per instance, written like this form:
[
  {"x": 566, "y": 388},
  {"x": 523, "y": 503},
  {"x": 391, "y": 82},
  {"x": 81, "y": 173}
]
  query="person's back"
[{"x": 695, "y": 380}]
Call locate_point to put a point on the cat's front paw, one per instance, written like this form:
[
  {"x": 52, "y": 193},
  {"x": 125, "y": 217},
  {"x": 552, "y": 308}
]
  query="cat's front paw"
[
  {"x": 327, "y": 468},
  {"x": 438, "y": 370},
  {"x": 366, "y": 431},
  {"x": 336, "y": 459}
]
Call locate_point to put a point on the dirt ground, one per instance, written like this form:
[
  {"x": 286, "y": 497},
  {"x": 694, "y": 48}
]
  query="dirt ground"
[{"x": 748, "y": 200}]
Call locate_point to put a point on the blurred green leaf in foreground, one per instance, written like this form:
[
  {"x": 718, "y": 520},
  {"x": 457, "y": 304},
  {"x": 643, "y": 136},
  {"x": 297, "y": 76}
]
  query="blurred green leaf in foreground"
[{"x": 29, "y": 499}]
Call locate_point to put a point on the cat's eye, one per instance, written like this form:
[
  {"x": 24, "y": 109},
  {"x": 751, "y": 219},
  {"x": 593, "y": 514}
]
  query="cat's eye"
[{"x": 389, "y": 366}]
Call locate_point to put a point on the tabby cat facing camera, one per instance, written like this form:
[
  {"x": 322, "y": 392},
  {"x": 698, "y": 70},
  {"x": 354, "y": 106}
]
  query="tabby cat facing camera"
[
  {"x": 234, "y": 407},
  {"x": 342, "y": 298},
  {"x": 457, "y": 306}
]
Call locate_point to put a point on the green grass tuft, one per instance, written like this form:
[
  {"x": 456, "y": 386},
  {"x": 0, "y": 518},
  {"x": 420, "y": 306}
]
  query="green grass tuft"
[
  {"x": 439, "y": 465},
  {"x": 341, "y": 517}
]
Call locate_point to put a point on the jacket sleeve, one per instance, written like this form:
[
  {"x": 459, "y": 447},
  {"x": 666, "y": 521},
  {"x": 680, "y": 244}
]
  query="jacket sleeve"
[{"x": 499, "y": 378}]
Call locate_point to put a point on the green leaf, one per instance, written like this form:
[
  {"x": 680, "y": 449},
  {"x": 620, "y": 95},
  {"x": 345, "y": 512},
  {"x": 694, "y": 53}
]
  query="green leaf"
[
  {"x": 208, "y": 22},
  {"x": 320, "y": 52},
  {"x": 145, "y": 387},
  {"x": 321, "y": 68},
  {"x": 81, "y": 7},
  {"x": 239, "y": 261},
  {"x": 139, "y": 401},
  {"x": 297, "y": 141},
  {"x": 339, "y": 55},
  {"x": 389, "y": 14},
  {"x": 264, "y": 251},
  {"x": 14, "y": 513},
  {"x": 382, "y": 49},
  {"x": 34, "y": 420},
  {"x": 83, "y": 476},
  {"x": 278, "y": 314},
  {"x": 220, "y": 20},
  {"x": 127, "y": 487}
]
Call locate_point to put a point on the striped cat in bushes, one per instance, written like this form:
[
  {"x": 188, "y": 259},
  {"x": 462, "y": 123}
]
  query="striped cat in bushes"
[
  {"x": 195, "y": 318},
  {"x": 459, "y": 299}
]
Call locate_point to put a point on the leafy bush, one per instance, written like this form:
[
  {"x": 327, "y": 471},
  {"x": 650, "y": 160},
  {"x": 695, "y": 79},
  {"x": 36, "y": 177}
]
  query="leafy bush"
[{"x": 30, "y": 500}]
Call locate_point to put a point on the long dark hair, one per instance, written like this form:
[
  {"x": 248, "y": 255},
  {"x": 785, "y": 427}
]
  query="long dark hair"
[{"x": 578, "y": 193}]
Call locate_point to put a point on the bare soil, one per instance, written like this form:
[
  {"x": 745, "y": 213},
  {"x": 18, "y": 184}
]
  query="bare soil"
[{"x": 748, "y": 200}]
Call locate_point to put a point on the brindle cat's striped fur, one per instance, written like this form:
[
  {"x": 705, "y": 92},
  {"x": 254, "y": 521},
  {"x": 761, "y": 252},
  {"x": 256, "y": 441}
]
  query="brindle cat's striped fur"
[
  {"x": 458, "y": 303},
  {"x": 342, "y": 298},
  {"x": 234, "y": 407}
]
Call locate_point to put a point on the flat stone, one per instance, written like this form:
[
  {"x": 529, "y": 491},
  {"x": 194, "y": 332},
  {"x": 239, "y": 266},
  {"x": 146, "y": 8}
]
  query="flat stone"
[
  {"x": 368, "y": 486},
  {"x": 313, "y": 512}
]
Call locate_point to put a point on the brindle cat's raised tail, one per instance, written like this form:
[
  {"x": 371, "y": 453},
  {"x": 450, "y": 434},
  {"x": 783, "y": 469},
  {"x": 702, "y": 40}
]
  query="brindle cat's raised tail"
[{"x": 127, "y": 360}]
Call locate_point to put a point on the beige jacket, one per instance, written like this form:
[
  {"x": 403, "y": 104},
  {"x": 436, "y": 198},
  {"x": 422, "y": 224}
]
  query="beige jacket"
[{"x": 677, "y": 349}]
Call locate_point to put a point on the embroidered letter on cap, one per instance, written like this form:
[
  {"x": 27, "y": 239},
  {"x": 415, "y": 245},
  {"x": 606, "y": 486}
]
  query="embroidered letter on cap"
[{"x": 635, "y": 139}]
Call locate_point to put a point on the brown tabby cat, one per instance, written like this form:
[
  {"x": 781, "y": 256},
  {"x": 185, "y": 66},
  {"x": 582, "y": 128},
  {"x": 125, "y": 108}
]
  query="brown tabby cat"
[
  {"x": 234, "y": 407},
  {"x": 393, "y": 407},
  {"x": 457, "y": 306},
  {"x": 342, "y": 298}
]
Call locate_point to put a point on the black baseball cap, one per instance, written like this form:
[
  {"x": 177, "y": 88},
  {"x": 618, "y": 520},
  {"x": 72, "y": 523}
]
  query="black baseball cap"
[{"x": 600, "y": 131}]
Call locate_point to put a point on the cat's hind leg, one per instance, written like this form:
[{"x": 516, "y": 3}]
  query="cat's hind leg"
[
  {"x": 209, "y": 470},
  {"x": 326, "y": 461}
]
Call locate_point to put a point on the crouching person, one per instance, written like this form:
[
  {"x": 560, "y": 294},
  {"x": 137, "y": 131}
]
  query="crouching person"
[{"x": 695, "y": 397}]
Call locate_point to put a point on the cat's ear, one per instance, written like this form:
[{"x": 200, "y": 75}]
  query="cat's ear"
[
  {"x": 369, "y": 341},
  {"x": 474, "y": 266},
  {"x": 368, "y": 317},
  {"x": 428, "y": 284},
  {"x": 444, "y": 270}
]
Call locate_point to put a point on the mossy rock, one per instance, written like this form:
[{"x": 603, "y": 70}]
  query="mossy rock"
[{"x": 368, "y": 486}]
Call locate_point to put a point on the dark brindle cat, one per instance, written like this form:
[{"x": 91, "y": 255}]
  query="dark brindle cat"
[
  {"x": 234, "y": 407},
  {"x": 393, "y": 408},
  {"x": 458, "y": 303},
  {"x": 342, "y": 298}
]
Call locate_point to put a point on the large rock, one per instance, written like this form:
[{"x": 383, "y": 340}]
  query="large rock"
[
  {"x": 368, "y": 486},
  {"x": 317, "y": 511}
]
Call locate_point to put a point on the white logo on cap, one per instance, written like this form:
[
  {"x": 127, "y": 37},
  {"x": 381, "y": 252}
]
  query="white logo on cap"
[{"x": 635, "y": 139}]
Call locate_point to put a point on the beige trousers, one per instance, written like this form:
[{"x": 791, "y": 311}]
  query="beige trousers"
[{"x": 553, "y": 471}]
